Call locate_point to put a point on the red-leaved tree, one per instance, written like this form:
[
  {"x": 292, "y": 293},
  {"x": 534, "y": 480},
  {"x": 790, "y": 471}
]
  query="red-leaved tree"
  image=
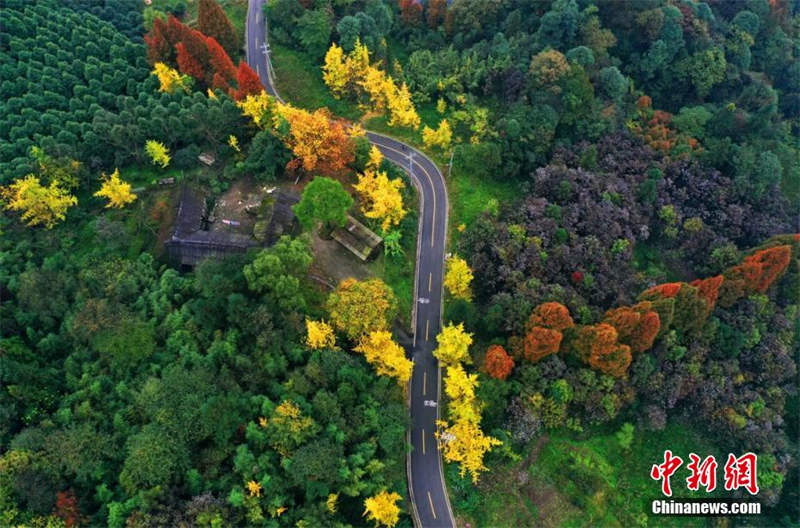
[
  {"x": 248, "y": 82},
  {"x": 220, "y": 61},
  {"x": 187, "y": 64},
  {"x": 212, "y": 21}
]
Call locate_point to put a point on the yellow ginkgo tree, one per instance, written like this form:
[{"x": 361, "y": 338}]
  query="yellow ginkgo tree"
[
  {"x": 158, "y": 153},
  {"x": 319, "y": 334},
  {"x": 353, "y": 75},
  {"x": 117, "y": 191},
  {"x": 383, "y": 509},
  {"x": 388, "y": 358},
  {"x": 454, "y": 344},
  {"x": 440, "y": 137},
  {"x": 169, "y": 79},
  {"x": 458, "y": 278},
  {"x": 381, "y": 198},
  {"x": 39, "y": 204}
]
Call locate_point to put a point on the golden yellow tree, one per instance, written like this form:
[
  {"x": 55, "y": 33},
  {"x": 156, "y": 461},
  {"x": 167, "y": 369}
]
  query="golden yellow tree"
[
  {"x": 258, "y": 108},
  {"x": 319, "y": 334},
  {"x": 458, "y": 278},
  {"x": 330, "y": 503},
  {"x": 117, "y": 191},
  {"x": 159, "y": 154},
  {"x": 358, "y": 61},
  {"x": 440, "y": 137},
  {"x": 388, "y": 358},
  {"x": 376, "y": 85},
  {"x": 383, "y": 509},
  {"x": 401, "y": 109},
  {"x": 39, "y": 204},
  {"x": 465, "y": 444},
  {"x": 169, "y": 79},
  {"x": 381, "y": 198},
  {"x": 453, "y": 344},
  {"x": 375, "y": 158},
  {"x": 359, "y": 307},
  {"x": 335, "y": 71},
  {"x": 233, "y": 142},
  {"x": 460, "y": 388}
]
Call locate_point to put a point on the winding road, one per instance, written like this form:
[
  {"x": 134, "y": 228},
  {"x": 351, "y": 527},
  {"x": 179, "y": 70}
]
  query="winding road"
[{"x": 429, "y": 500}]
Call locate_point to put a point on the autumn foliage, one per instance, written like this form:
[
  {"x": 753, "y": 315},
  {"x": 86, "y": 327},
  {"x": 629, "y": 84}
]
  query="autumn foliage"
[
  {"x": 544, "y": 328},
  {"x": 248, "y": 82},
  {"x": 598, "y": 346},
  {"x": 690, "y": 308},
  {"x": 200, "y": 55},
  {"x": 551, "y": 315},
  {"x": 212, "y": 21},
  {"x": 498, "y": 364},
  {"x": 353, "y": 75},
  {"x": 637, "y": 326},
  {"x": 319, "y": 143},
  {"x": 755, "y": 274},
  {"x": 67, "y": 508}
]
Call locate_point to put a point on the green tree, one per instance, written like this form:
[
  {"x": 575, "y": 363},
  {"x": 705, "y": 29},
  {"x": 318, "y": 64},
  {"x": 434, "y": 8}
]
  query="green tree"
[
  {"x": 323, "y": 200},
  {"x": 314, "y": 32},
  {"x": 266, "y": 157},
  {"x": 276, "y": 272}
]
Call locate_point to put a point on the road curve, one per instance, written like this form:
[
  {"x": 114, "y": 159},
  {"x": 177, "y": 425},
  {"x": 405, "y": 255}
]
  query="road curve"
[{"x": 430, "y": 503}]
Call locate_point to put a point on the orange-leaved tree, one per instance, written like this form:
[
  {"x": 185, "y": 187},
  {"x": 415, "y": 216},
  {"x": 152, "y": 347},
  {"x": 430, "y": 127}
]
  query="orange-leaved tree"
[
  {"x": 755, "y": 274},
  {"x": 498, "y": 364},
  {"x": 598, "y": 346},
  {"x": 637, "y": 326},
  {"x": 544, "y": 328},
  {"x": 318, "y": 142}
]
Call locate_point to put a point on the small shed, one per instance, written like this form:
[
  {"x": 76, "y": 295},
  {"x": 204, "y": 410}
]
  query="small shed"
[{"x": 360, "y": 240}]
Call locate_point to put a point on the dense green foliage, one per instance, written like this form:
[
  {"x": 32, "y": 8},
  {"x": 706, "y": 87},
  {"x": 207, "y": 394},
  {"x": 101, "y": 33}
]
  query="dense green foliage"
[
  {"x": 133, "y": 395},
  {"x": 599, "y": 148},
  {"x": 634, "y": 143}
]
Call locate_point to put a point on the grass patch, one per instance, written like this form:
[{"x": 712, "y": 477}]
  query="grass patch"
[
  {"x": 299, "y": 81},
  {"x": 572, "y": 482},
  {"x": 471, "y": 195}
]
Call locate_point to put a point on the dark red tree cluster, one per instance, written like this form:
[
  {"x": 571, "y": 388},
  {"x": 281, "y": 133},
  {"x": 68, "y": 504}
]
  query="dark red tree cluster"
[
  {"x": 201, "y": 57},
  {"x": 411, "y": 12},
  {"x": 212, "y": 21}
]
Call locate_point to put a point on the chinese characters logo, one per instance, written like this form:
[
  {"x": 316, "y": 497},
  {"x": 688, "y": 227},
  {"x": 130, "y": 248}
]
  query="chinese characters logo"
[{"x": 738, "y": 472}]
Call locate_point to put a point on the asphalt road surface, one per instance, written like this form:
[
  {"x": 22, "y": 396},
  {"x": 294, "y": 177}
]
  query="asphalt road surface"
[{"x": 430, "y": 503}]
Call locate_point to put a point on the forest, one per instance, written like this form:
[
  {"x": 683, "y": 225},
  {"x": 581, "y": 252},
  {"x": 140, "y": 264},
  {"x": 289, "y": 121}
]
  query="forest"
[{"x": 623, "y": 271}]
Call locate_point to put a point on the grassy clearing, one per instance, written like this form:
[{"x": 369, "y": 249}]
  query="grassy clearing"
[
  {"x": 299, "y": 81},
  {"x": 471, "y": 195},
  {"x": 566, "y": 481}
]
